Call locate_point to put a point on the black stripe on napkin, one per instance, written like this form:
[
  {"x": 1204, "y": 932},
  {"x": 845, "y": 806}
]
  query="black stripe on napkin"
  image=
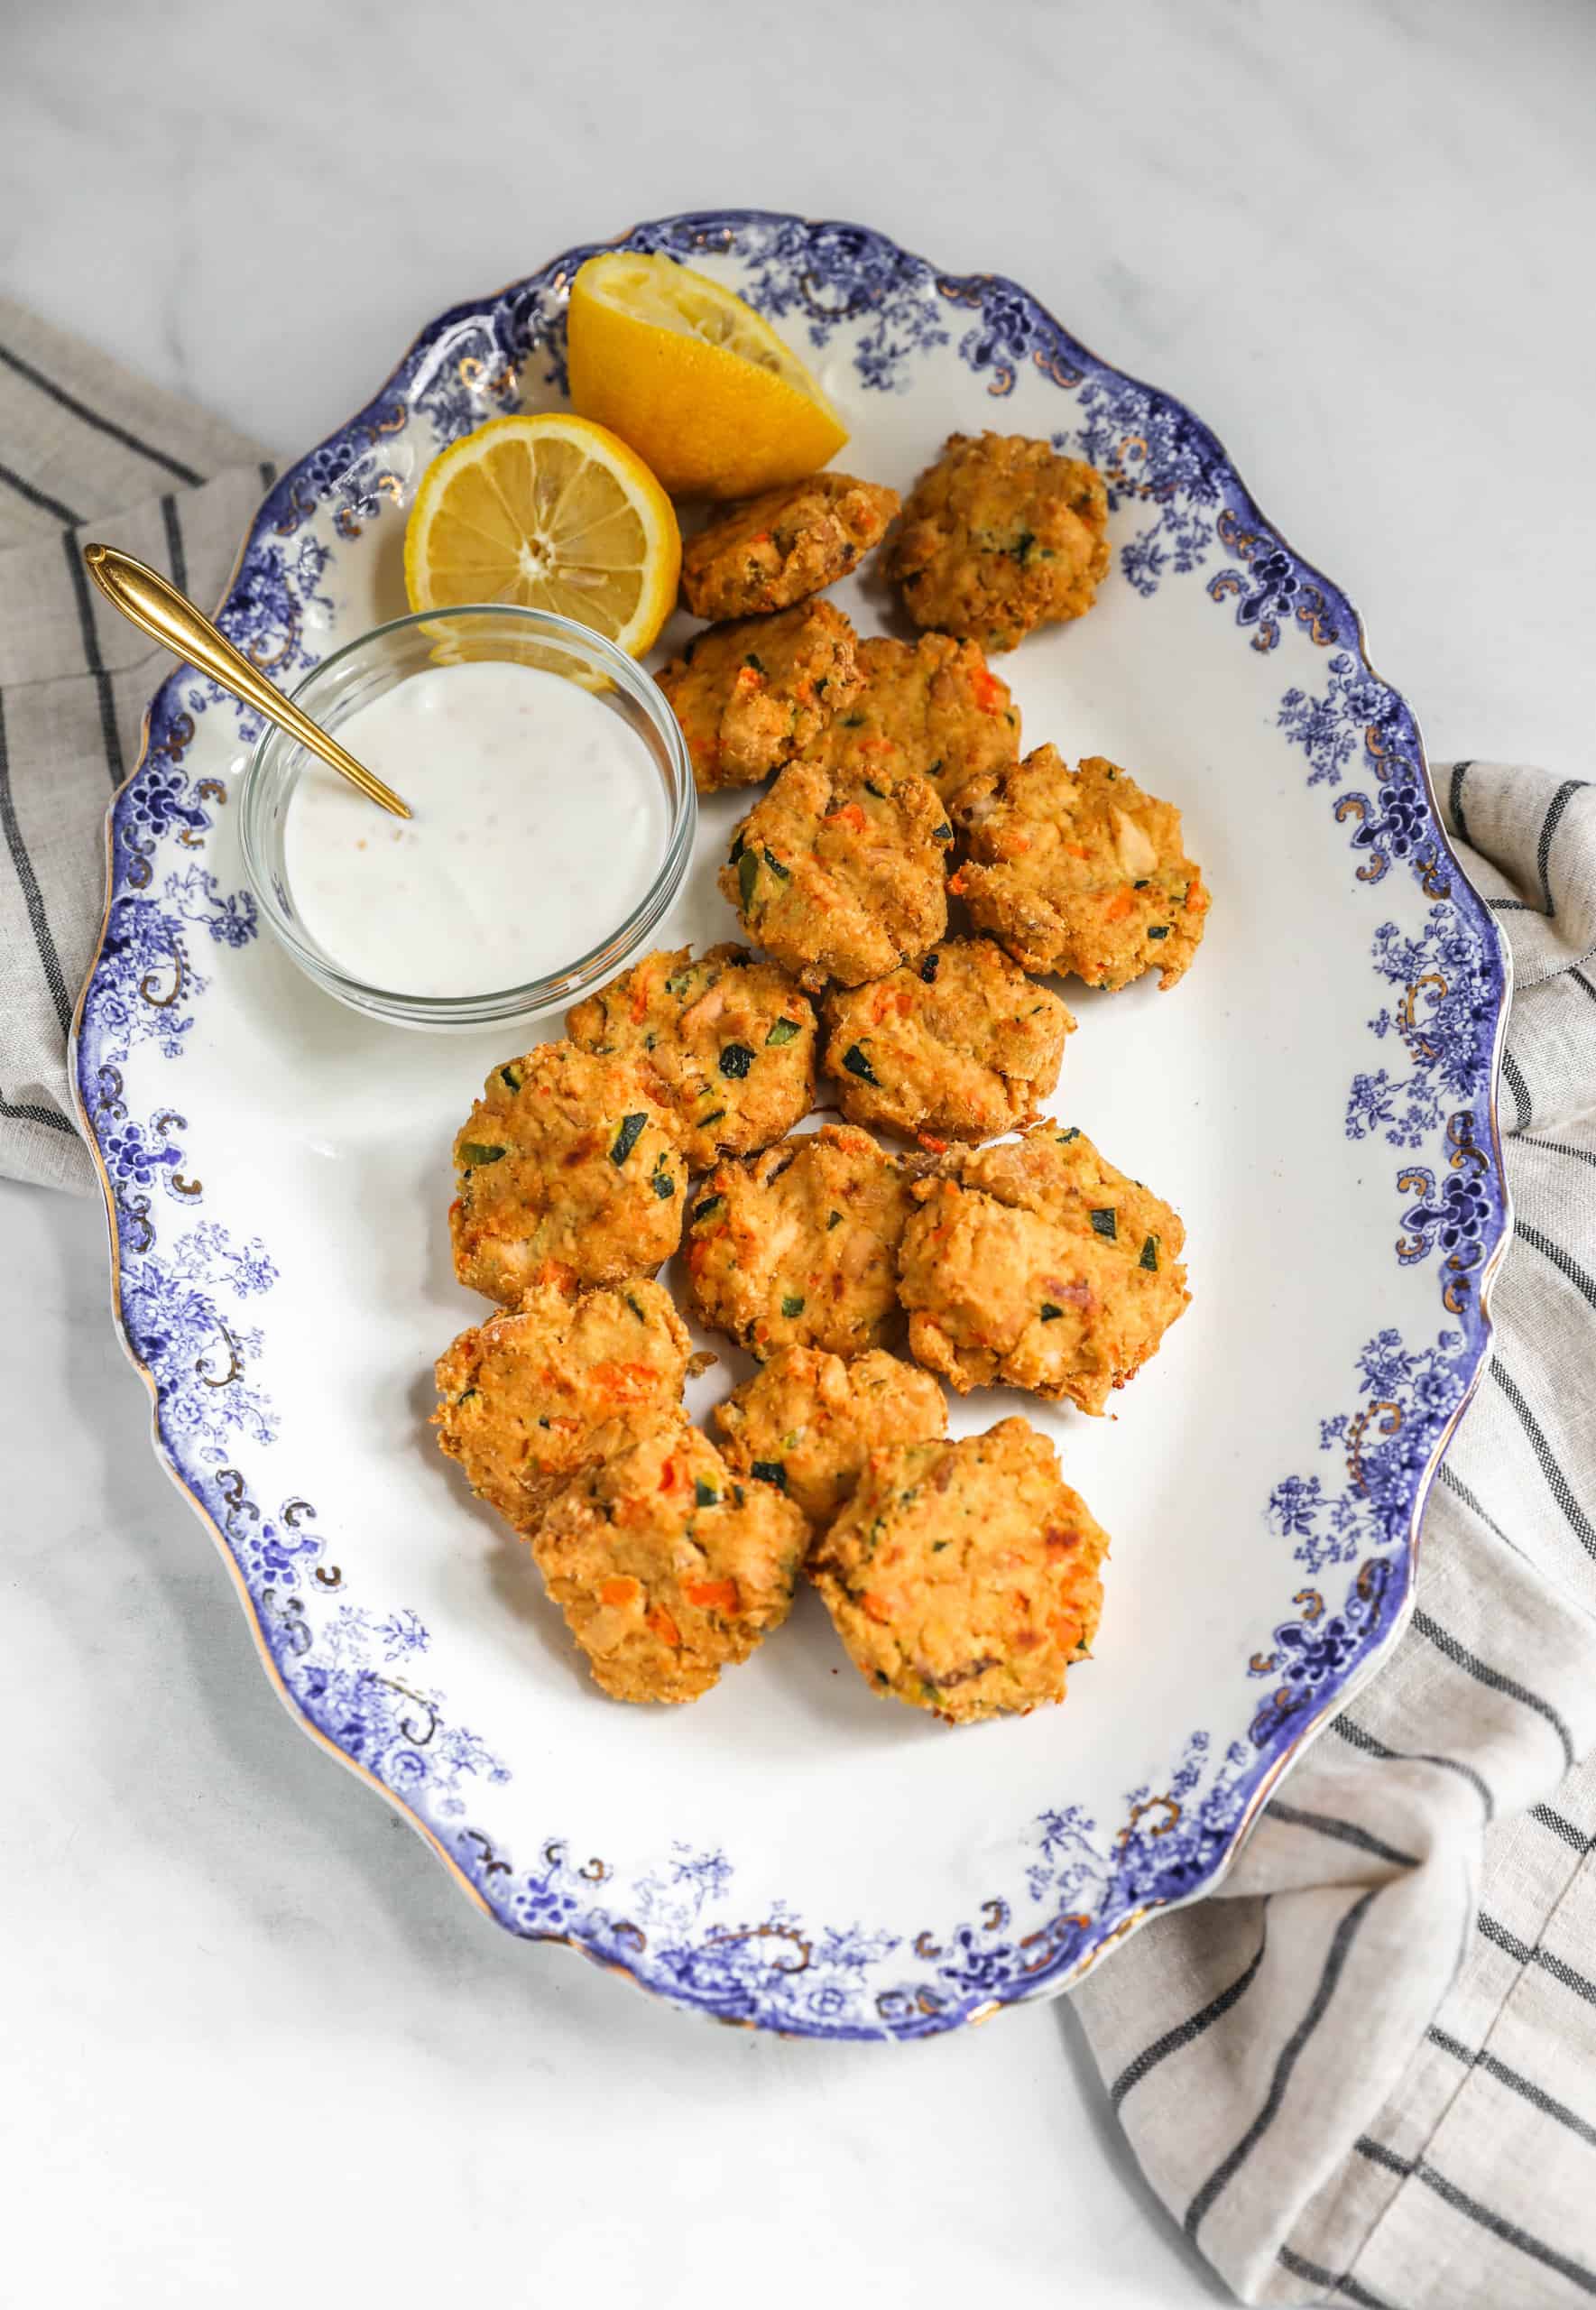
[
  {"x": 110, "y": 743},
  {"x": 1513, "y": 1077},
  {"x": 1560, "y": 1970},
  {"x": 1356, "y": 1737},
  {"x": 1454, "y": 801},
  {"x": 1516, "y": 2082},
  {"x": 1565, "y": 1976},
  {"x": 1549, "y": 823},
  {"x": 36, "y": 496},
  {"x": 1291, "y": 2053},
  {"x": 1560, "y": 1826},
  {"x": 46, "y": 1115},
  {"x": 107, "y": 425},
  {"x": 1317, "y": 2275},
  {"x": 33, "y": 897},
  {"x": 177, "y": 559},
  {"x": 1555, "y": 1146},
  {"x": 1558, "y": 1482},
  {"x": 1185, "y": 2032},
  {"x": 1378, "y": 2155},
  {"x": 1560, "y": 1259},
  {"x": 1325, "y": 1824},
  {"x": 1496, "y": 1933},
  {"x": 1483, "y": 1673},
  {"x": 1507, "y": 2231}
]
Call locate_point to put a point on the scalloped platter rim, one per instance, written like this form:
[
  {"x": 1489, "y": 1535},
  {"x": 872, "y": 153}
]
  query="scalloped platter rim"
[{"x": 1318, "y": 1098}]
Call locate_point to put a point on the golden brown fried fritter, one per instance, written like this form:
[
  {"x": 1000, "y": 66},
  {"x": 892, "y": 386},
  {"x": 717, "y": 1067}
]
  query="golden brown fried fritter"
[
  {"x": 535, "y": 1395},
  {"x": 932, "y": 706},
  {"x": 1001, "y": 534},
  {"x": 731, "y": 1039},
  {"x": 1080, "y": 871},
  {"x": 667, "y": 1566},
  {"x": 751, "y": 695},
  {"x": 841, "y": 876},
  {"x": 964, "y": 1578},
  {"x": 1034, "y": 1261},
  {"x": 784, "y": 546},
  {"x": 570, "y": 1171},
  {"x": 960, "y": 1044},
  {"x": 797, "y": 1247},
  {"x": 808, "y": 1420}
]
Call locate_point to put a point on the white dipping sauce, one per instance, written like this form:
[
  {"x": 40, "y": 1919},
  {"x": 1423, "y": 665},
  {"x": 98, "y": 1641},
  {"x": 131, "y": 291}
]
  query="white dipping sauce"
[{"x": 539, "y": 823}]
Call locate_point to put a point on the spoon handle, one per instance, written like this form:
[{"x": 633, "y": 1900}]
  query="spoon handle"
[{"x": 152, "y": 604}]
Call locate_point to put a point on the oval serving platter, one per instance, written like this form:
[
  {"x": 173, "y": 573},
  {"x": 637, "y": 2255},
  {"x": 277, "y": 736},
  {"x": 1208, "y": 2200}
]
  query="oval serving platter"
[{"x": 1316, "y": 1098}]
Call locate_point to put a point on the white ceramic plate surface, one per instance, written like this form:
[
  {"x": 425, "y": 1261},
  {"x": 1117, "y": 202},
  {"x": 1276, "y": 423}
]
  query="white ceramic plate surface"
[{"x": 1315, "y": 1097}]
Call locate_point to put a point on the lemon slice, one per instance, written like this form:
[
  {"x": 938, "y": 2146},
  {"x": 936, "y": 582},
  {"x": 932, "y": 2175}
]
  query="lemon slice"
[
  {"x": 552, "y": 512},
  {"x": 703, "y": 389}
]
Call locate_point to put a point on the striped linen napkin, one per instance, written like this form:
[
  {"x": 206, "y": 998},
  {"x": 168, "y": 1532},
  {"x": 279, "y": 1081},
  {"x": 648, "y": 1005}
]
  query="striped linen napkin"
[
  {"x": 1366, "y": 2071},
  {"x": 84, "y": 445}
]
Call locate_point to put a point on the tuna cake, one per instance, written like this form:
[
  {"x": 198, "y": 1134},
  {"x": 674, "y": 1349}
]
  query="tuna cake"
[
  {"x": 960, "y": 1044},
  {"x": 839, "y": 875},
  {"x": 1000, "y": 535},
  {"x": 807, "y": 1422},
  {"x": 964, "y": 1578},
  {"x": 730, "y": 1040},
  {"x": 1080, "y": 870},
  {"x": 751, "y": 695},
  {"x": 799, "y": 1247},
  {"x": 934, "y": 705},
  {"x": 570, "y": 1171},
  {"x": 667, "y": 1566},
  {"x": 784, "y": 546},
  {"x": 537, "y": 1394},
  {"x": 1034, "y": 1262}
]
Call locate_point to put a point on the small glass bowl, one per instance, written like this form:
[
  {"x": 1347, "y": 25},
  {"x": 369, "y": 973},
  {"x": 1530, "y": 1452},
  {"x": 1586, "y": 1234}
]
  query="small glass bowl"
[{"x": 364, "y": 670}]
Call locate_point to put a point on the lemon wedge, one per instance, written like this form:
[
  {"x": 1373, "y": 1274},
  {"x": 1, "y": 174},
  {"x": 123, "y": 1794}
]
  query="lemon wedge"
[
  {"x": 552, "y": 513},
  {"x": 702, "y": 388}
]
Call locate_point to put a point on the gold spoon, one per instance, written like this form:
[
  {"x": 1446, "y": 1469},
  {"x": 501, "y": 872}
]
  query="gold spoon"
[{"x": 156, "y": 607}]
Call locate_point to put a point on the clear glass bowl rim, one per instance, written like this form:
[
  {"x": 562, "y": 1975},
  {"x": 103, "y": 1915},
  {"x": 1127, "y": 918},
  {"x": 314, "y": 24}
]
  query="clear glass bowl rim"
[{"x": 553, "y": 987}]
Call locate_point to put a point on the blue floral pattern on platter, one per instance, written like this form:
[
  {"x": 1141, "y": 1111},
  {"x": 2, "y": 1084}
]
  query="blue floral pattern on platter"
[{"x": 194, "y": 1299}]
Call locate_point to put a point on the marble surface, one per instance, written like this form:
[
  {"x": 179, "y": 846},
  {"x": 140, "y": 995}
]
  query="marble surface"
[{"x": 253, "y": 2041}]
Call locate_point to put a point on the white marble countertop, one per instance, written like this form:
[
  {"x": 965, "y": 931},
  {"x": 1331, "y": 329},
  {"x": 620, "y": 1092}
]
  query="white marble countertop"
[{"x": 254, "y": 2043}]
